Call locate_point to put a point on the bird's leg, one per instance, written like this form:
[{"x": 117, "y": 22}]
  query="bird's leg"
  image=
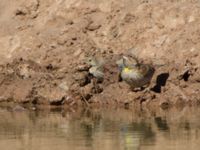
[
  {"x": 136, "y": 89},
  {"x": 95, "y": 85},
  {"x": 147, "y": 88}
]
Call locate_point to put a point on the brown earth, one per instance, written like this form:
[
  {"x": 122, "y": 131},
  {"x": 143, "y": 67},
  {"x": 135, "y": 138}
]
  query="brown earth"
[{"x": 44, "y": 45}]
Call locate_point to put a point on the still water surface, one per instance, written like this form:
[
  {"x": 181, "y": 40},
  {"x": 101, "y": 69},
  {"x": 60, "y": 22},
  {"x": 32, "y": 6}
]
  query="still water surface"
[{"x": 100, "y": 129}]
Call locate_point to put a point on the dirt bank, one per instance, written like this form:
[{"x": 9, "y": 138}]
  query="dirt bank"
[{"x": 44, "y": 45}]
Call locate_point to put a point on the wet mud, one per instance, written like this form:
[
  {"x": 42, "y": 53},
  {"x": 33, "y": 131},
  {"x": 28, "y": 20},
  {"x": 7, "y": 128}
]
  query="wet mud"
[{"x": 44, "y": 45}]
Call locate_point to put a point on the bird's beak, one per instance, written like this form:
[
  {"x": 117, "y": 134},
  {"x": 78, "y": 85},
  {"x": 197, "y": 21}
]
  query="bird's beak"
[
  {"x": 124, "y": 57},
  {"x": 124, "y": 60}
]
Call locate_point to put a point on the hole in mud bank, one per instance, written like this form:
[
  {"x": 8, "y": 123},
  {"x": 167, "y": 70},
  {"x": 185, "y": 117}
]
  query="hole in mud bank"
[
  {"x": 126, "y": 105},
  {"x": 35, "y": 101},
  {"x": 186, "y": 76},
  {"x": 56, "y": 103},
  {"x": 21, "y": 59},
  {"x": 49, "y": 67},
  {"x": 160, "y": 81}
]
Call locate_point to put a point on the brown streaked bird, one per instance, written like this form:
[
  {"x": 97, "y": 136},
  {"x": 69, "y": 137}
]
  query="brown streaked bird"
[{"x": 135, "y": 74}]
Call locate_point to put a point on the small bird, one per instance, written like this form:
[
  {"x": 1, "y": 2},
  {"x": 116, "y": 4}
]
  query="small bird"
[
  {"x": 97, "y": 71},
  {"x": 96, "y": 68},
  {"x": 135, "y": 74}
]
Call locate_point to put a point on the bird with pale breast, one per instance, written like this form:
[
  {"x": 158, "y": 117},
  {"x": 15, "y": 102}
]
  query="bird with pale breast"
[
  {"x": 137, "y": 75},
  {"x": 96, "y": 68}
]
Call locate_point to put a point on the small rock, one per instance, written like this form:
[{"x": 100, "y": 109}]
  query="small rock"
[
  {"x": 63, "y": 86},
  {"x": 48, "y": 95},
  {"x": 61, "y": 41},
  {"x": 33, "y": 108},
  {"x": 18, "y": 108},
  {"x": 93, "y": 26}
]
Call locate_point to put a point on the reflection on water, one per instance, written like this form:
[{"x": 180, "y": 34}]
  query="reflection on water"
[{"x": 100, "y": 129}]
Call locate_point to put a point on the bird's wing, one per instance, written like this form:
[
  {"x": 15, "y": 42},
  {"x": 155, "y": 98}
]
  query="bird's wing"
[
  {"x": 97, "y": 72},
  {"x": 146, "y": 69},
  {"x": 143, "y": 69}
]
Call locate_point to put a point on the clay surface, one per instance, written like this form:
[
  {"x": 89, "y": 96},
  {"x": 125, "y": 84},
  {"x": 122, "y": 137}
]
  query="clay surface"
[{"x": 43, "y": 46}]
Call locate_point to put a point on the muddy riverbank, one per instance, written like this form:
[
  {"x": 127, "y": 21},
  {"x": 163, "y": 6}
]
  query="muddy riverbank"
[{"x": 44, "y": 45}]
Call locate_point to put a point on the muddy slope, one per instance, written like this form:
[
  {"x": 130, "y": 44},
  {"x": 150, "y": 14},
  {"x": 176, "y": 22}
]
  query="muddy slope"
[{"x": 44, "y": 44}]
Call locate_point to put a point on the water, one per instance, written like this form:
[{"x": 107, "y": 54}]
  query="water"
[{"x": 100, "y": 129}]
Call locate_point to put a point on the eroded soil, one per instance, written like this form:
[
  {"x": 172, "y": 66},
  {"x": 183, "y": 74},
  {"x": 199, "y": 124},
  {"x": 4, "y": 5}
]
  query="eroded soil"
[{"x": 44, "y": 45}]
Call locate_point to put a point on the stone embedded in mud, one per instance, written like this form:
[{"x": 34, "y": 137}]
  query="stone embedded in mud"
[
  {"x": 63, "y": 86},
  {"x": 48, "y": 95},
  {"x": 93, "y": 26},
  {"x": 18, "y": 108},
  {"x": 61, "y": 41},
  {"x": 17, "y": 91},
  {"x": 21, "y": 94}
]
